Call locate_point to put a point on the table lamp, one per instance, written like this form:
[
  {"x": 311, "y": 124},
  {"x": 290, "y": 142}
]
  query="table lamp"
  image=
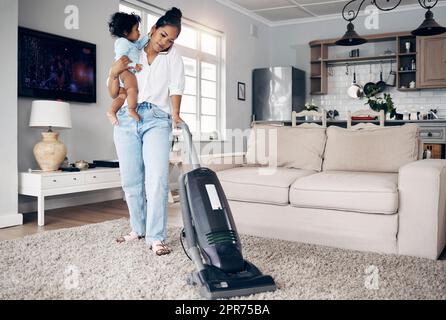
[{"x": 50, "y": 152}]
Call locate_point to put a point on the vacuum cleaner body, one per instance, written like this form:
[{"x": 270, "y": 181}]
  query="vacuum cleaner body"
[
  {"x": 212, "y": 239},
  {"x": 216, "y": 232}
]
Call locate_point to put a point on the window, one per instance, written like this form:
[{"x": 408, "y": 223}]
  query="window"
[{"x": 201, "y": 50}]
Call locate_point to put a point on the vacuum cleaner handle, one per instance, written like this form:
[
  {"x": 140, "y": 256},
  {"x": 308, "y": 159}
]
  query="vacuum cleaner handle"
[{"x": 189, "y": 146}]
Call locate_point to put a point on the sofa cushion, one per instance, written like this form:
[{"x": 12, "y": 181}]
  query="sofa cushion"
[
  {"x": 377, "y": 150},
  {"x": 254, "y": 185},
  {"x": 350, "y": 191},
  {"x": 284, "y": 146}
]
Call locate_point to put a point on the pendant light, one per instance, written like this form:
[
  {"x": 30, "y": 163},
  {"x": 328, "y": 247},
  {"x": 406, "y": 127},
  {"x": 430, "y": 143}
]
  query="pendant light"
[
  {"x": 429, "y": 27},
  {"x": 350, "y": 38}
]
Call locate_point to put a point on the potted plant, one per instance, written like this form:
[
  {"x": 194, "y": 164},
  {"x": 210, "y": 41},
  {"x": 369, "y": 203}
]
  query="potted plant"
[
  {"x": 378, "y": 103},
  {"x": 311, "y": 106},
  {"x": 332, "y": 114}
]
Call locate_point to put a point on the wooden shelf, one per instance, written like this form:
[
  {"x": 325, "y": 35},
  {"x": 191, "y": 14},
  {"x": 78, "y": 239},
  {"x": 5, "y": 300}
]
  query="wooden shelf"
[
  {"x": 407, "y": 71},
  {"x": 390, "y": 36},
  {"x": 317, "y": 93},
  {"x": 386, "y": 57},
  {"x": 407, "y": 54},
  {"x": 318, "y": 72},
  {"x": 407, "y": 89}
]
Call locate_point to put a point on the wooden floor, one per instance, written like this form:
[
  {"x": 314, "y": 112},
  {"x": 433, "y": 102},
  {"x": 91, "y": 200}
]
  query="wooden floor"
[
  {"x": 67, "y": 218},
  {"x": 78, "y": 216}
]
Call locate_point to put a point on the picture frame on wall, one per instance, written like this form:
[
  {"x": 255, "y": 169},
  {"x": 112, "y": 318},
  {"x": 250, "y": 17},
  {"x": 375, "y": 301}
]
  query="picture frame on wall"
[{"x": 241, "y": 91}]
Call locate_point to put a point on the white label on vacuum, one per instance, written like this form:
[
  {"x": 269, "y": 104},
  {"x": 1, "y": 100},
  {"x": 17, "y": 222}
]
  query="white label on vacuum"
[{"x": 213, "y": 197}]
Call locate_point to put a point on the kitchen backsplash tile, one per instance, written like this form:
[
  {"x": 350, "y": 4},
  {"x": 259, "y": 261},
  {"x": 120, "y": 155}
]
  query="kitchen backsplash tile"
[{"x": 338, "y": 82}]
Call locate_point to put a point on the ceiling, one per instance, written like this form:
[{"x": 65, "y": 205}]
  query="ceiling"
[{"x": 279, "y": 11}]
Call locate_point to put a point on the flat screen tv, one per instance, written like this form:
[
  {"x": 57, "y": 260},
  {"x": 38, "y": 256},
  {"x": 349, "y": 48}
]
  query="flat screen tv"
[{"x": 55, "y": 67}]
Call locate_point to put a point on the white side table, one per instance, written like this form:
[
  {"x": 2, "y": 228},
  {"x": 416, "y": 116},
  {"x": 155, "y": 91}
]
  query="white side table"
[{"x": 44, "y": 184}]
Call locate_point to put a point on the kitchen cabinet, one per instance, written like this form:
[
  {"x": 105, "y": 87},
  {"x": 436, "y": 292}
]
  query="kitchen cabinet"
[
  {"x": 431, "y": 63},
  {"x": 426, "y": 54},
  {"x": 407, "y": 57},
  {"x": 318, "y": 75}
]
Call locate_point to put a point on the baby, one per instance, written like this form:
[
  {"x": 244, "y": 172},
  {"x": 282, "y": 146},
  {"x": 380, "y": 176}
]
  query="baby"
[{"x": 126, "y": 28}]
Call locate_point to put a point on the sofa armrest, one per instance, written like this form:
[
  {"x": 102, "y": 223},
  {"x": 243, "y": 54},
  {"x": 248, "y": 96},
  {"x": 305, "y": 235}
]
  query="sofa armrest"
[
  {"x": 219, "y": 162},
  {"x": 422, "y": 208}
]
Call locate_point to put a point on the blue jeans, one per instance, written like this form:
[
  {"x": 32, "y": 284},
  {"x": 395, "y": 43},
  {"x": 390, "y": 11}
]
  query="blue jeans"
[{"x": 143, "y": 152}]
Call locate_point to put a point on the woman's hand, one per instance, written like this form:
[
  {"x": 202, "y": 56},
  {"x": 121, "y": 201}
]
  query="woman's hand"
[
  {"x": 176, "y": 120},
  {"x": 138, "y": 67},
  {"x": 119, "y": 66},
  {"x": 116, "y": 69}
]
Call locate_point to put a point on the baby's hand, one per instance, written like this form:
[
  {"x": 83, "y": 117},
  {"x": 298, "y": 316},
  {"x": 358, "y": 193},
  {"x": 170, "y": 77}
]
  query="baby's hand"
[{"x": 138, "y": 67}]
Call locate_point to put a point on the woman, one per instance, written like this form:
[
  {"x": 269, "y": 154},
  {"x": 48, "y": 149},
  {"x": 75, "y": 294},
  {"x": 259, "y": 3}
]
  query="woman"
[{"x": 143, "y": 147}]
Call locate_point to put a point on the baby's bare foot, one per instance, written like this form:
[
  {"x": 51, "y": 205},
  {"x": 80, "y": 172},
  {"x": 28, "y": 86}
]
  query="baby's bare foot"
[
  {"x": 134, "y": 114},
  {"x": 112, "y": 118}
]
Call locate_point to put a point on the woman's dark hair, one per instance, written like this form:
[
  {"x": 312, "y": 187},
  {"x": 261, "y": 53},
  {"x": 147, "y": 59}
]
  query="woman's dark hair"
[
  {"x": 172, "y": 17},
  {"x": 121, "y": 23}
]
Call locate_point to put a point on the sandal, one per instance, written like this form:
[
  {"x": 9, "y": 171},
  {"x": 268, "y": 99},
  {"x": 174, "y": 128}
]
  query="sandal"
[
  {"x": 160, "y": 248},
  {"x": 129, "y": 237}
]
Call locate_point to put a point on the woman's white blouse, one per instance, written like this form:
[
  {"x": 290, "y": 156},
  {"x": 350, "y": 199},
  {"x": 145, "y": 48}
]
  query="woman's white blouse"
[{"x": 162, "y": 79}]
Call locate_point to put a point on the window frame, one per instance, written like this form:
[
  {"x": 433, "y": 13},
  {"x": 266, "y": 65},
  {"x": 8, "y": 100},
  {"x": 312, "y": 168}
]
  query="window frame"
[{"x": 199, "y": 56}]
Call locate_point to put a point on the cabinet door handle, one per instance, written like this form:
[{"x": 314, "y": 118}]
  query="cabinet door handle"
[
  {"x": 74, "y": 179},
  {"x": 94, "y": 177},
  {"x": 429, "y": 134},
  {"x": 54, "y": 180}
]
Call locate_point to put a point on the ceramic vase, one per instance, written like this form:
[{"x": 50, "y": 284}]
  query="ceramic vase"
[{"x": 49, "y": 152}]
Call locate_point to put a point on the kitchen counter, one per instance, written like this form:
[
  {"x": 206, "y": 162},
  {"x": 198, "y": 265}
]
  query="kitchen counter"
[
  {"x": 410, "y": 121},
  {"x": 440, "y": 122}
]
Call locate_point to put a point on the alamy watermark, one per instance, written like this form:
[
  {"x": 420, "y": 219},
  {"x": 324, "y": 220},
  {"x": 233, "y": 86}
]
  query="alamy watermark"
[
  {"x": 262, "y": 149},
  {"x": 71, "y": 277},
  {"x": 371, "y": 21},
  {"x": 371, "y": 280},
  {"x": 72, "y": 18}
]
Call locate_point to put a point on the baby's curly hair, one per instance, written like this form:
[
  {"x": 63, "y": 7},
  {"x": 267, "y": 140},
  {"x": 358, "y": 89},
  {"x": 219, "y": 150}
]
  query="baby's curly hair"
[{"x": 121, "y": 23}]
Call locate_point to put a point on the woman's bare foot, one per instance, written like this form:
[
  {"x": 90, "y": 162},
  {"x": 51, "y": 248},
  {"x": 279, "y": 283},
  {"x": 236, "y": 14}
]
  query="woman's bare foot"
[
  {"x": 134, "y": 114},
  {"x": 112, "y": 118}
]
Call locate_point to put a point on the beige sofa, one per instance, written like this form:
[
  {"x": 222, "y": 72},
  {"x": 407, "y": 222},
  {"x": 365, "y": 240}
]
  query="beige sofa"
[{"x": 355, "y": 189}]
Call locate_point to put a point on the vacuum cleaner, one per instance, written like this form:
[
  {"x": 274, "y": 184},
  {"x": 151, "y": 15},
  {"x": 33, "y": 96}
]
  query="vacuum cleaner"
[{"x": 210, "y": 236}]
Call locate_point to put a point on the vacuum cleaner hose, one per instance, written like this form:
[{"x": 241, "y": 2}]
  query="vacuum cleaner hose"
[{"x": 189, "y": 146}]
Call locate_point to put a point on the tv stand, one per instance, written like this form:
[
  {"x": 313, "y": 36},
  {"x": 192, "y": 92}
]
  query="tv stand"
[{"x": 45, "y": 184}]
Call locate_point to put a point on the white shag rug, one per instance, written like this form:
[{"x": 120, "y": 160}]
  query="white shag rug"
[{"x": 87, "y": 263}]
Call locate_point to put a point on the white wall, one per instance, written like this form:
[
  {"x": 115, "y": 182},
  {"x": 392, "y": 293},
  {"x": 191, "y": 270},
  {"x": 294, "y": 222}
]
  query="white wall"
[
  {"x": 8, "y": 120},
  {"x": 91, "y": 135},
  {"x": 290, "y": 47}
]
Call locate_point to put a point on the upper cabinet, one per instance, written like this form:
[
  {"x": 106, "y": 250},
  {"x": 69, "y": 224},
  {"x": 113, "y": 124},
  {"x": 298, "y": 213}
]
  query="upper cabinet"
[
  {"x": 318, "y": 75},
  {"x": 407, "y": 62},
  {"x": 431, "y": 63}
]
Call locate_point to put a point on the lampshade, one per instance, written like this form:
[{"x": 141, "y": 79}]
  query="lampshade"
[
  {"x": 350, "y": 38},
  {"x": 46, "y": 113},
  {"x": 429, "y": 27}
]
